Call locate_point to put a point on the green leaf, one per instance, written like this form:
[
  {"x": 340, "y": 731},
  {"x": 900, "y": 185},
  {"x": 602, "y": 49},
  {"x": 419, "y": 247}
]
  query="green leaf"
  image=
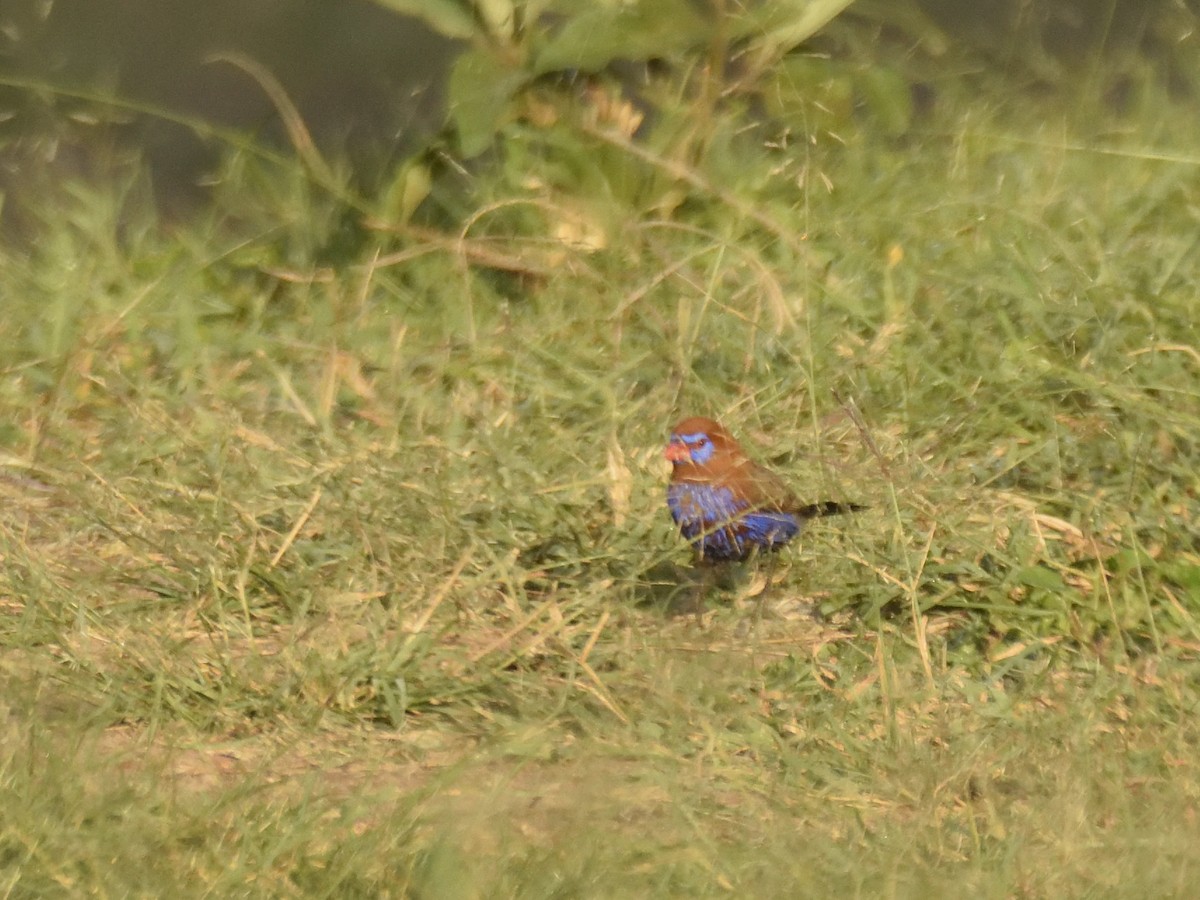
[
  {"x": 782, "y": 26},
  {"x": 817, "y": 92},
  {"x": 1042, "y": 578},
  {"x": 593, "y": 39},
  {"x": 408, "y": 190},
  {"x": 481, "y": 88},
  {"x": 1186, "y": 575},
  {"x": 447, "y": 17},
  {"x": 888, "y": 96},
  {"x": 499, "y": 16}
]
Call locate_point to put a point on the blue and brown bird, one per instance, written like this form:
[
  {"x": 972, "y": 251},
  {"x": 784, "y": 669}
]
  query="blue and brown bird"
[{"x": 728, "y": 506}]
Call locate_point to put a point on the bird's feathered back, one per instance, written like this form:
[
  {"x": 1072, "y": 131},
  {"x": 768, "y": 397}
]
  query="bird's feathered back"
[{"x": 726, "y": 504}]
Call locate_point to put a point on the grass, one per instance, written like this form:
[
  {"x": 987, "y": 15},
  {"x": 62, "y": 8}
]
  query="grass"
[{"x": 358, "y": 580}]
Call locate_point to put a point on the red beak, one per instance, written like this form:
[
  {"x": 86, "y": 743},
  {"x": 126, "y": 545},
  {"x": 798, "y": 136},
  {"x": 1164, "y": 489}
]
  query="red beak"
[{"x": 677, "y": 451}]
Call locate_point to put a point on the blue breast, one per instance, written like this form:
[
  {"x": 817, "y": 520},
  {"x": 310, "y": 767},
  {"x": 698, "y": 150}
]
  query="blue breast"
[{"x": 720, "y": 527}]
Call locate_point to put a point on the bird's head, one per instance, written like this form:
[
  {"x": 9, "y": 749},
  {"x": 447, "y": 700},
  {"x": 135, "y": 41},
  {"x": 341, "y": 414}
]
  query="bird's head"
[{"x": 699, "y": 442}]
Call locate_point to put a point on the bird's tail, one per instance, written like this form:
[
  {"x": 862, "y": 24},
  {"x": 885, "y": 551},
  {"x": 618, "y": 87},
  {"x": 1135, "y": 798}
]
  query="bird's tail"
[{"x": 827, "y": 508}]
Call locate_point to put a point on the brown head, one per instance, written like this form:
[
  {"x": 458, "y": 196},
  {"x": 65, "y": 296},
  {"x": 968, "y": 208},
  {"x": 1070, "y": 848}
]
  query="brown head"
[{"x": 699, "y": 445}]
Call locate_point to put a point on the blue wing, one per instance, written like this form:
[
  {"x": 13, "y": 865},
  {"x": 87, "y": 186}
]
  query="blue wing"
[{"x": 721, "y": 526}]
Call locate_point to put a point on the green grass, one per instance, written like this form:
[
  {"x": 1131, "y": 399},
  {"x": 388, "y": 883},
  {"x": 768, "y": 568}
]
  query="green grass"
[{"x": 358, "y": 581}]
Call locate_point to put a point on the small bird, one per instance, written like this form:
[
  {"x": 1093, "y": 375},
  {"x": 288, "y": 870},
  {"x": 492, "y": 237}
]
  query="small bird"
[{"x": 727, "y": 505}]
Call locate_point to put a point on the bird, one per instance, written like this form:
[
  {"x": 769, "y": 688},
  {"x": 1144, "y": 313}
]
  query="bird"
[{"x": 726, "y": 505}]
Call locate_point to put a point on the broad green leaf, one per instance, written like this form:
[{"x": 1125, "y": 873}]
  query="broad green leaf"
[
  {"x": 817, "y": 92},
  {"x": 1186, "y": 575},
  {"x": 499, "y": 16},
  {"x": 451, "y": 18},
  {"x": 1041, "y": 577},
  {"x": 408, "y": 190},
  {"x": 593, "y": 39},
  {"x": 481, "y": 88},
  {"x": 795, "y": 22},
  {"x": 888, "y": 96}
]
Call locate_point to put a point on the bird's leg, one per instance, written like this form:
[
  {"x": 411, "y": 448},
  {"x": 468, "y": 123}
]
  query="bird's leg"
[
  {"x": 749, "y": 623},
  {"x": 762, "y": 596},
  {"x": 703, "y": 584}
]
